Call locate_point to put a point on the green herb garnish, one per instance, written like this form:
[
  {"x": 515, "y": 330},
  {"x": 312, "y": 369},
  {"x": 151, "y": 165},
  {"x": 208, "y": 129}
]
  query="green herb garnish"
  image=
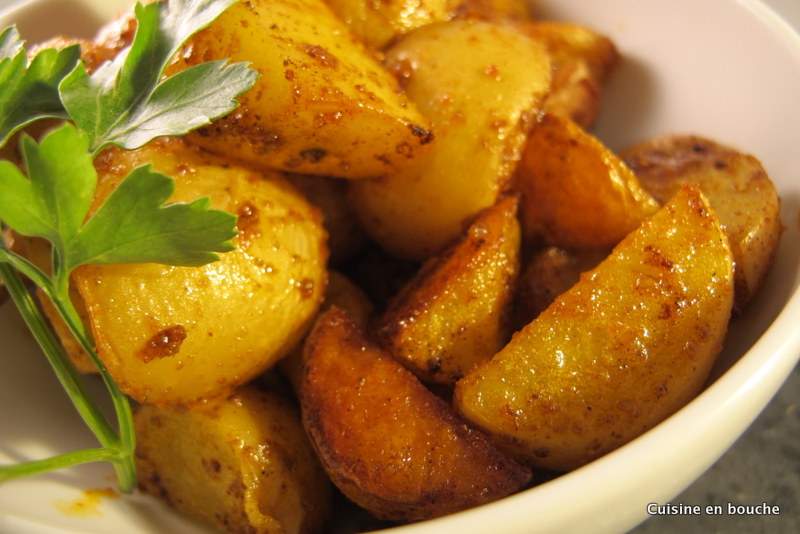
[
  {"x": 30, "y": 91},
  {"x": 125, "y": 103}
]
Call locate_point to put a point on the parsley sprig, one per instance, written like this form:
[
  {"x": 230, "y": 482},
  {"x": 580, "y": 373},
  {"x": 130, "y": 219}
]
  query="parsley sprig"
[
  {"x": 126, "y": 103},
  {"x": 30, "y": 91}
]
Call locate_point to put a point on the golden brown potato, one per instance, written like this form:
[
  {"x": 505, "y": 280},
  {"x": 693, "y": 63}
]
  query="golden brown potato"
[
  {"x": 242, "y": 463},
  {"x": 179, "y": 334},
  {"x": 345, "y": 236},
  {"x": 386, "y": 441},
  {"x": 343, "y": 293},
  {"x": 576, "y": 193},
  {"x": 548, "y": 273},
  {"x": 322, "y": 105},
  {"x": 494, "y": 10},
  {"x": 481, "y": 85},
  {"x": 377, "y": 24},
  {"x": 582, "y": 62},
  {"x": 456, "y": 311},
  {"x": 628, "y": 345},
  {"x": 737, "y": 187}
]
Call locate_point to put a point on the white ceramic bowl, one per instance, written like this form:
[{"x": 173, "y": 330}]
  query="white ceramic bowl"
[{"x": 724, "y": 69}]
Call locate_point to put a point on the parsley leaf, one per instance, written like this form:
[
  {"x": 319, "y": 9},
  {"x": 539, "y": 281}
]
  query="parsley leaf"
[
  {"x": 30, "y": 92},
  {"x": 53, "y": 203},
  {"x": 10, "y": 42},
  {"x": 126, "y": 102},
  {"x": 133, "y": 225}
]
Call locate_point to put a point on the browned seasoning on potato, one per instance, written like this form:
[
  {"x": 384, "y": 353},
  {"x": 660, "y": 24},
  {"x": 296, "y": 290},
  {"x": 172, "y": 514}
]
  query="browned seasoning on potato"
[
  {"x": 736, "y": 185},
  {"x": 386, "y": 441}
]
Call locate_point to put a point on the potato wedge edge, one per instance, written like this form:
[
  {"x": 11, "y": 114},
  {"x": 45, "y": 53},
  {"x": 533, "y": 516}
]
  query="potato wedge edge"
[
  {"x": 242, "y": 462},
  {"x": 456, "y": 311},
  {"x": 322, "y": 105},
  {"x": 176, "y": 335},
  {"x": 624, "y": 348},
  {"x": 386, "y": 441}
]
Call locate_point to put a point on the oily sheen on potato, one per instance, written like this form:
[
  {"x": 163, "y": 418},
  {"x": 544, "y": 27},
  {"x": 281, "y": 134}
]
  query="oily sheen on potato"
[
  {"x": 456, "y": 311},
  {"x": 322, "y": 104},
  {"x": 737, "y": 187},
  {"x": 181, "y": 334},
  {"x": 576, "y": 192},
  {"x": 379, "y": 24},
  {"x": 241, "y": 462},
  {"x": 481, "y": 86},
  {"x": 628, "y": 345},
  {"x": 386, "y": 441}
]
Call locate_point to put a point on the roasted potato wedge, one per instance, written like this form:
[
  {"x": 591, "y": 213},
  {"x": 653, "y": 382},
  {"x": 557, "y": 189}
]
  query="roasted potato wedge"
[
  {"x": 242, "y": 463},
  {"x": 481, "y": 85},
  {"x": 545, "y": 275},
  {"x": 494, "y": 10},
  {"x": 582, "y": 62},
  {"x": 346, "y": 237},
  {"x": 386, "y": 441},
  {"x": 377, "y": 24},
  {"x": 323, "y": 105},
  {"x": 456, "y": 311},
  {"x": 180, "y": 334},
  {"x": 345, "y": 294},
  {"x": 576, "y": 193},
  {"x": 737, "y": 187},
  {"x": 628, "y": 345}
]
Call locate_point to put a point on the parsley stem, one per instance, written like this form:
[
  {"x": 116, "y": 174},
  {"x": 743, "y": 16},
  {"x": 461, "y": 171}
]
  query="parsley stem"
[
  {"x": 35, "y": 467},
  {"x": 119, "y": 449},
  {"x": 126, "y": 440},
  {"x": 54, "y": 352}
]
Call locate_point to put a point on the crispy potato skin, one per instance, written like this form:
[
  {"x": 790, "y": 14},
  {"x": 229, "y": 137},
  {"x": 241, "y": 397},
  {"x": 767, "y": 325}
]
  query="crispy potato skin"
[
  {"x": 322, "y": 105},
  {"x": 379, "y": 24},
  {"x": 576, "y": 193},
  {"x": 345, "y": 294},
  {"x": 242, "y": 463},
  {"x": 456, "y": 311},
  {"x": 181, "y": 334},
  {"x": 628, "y": 345},
  {"x": 582, "y": 62},
  {"x": 481, "y": 86},
  {"x": 548, "y": 273},
  {"x": 386, "y": 441},
  {"x": 736, "y": 185}
]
